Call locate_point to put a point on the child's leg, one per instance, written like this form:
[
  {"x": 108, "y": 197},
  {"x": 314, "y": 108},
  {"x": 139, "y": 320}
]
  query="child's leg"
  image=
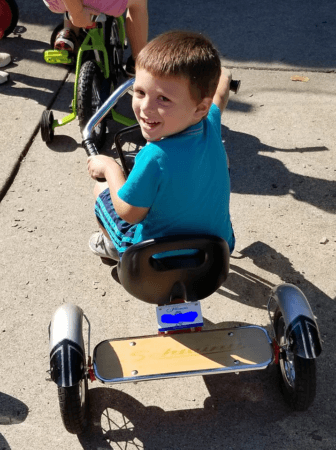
[
  {"x": 116, "y": 234},
  {"x": 69, "y": 24},
  {"x": 137, "y": 25},
  {"x": 98, "y": 189},
  {"x": 66, "y": 39}
]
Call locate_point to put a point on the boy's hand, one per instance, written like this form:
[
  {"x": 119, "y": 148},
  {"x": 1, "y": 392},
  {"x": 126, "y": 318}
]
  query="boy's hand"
[{"x": 97, "y": 166}]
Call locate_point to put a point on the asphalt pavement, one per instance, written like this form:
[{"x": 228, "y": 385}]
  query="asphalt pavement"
[{"x": 280, "y": 137}]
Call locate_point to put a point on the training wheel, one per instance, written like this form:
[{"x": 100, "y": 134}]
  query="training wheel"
[{"x": 46, "y": 123}]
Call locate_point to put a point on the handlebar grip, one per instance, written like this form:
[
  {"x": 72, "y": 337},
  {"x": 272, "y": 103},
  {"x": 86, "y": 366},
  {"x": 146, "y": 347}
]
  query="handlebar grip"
[
  {"x": 90, "y": 147},
  {"x": 91, "y": 150},
  {"x": 234, "y": 86}
]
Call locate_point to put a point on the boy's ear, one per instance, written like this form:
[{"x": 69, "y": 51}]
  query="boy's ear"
[{"x": 202, "y": 108}]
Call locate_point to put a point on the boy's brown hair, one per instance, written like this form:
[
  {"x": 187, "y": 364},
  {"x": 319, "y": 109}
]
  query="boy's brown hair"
[{"x": 185, "y": 54}]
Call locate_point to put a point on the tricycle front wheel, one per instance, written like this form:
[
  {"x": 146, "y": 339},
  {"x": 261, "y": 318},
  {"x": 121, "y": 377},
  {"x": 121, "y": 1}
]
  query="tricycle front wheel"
[{"x": 297, "y": 375}]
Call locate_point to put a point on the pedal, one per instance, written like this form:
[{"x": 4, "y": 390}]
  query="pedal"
[
  {"x": 167, "y": 356},
  {"x": 57, "y": 57}
]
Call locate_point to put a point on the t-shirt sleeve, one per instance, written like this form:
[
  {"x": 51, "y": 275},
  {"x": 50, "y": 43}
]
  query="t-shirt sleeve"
[
  {"x": 143, "y": 182},
  {"x": 214, "y": 116}
]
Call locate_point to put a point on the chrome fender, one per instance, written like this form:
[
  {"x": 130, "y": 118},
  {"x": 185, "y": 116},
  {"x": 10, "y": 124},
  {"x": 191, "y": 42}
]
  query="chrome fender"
[
  {"x": 67, "y": 354},
  {"x": 302, "y": 333}
]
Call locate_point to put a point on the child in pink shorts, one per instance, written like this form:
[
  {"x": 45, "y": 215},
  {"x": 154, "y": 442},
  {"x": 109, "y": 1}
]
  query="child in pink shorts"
[{"x": 80, "y": 11}]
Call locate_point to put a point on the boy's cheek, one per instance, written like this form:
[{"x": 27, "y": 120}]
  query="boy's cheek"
[
  {"x": 136, "y": 109},
  {"x": 133, "y": 103}
]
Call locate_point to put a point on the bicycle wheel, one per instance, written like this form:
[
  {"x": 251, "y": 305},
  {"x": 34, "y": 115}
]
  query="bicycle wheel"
[
  {"x": 90, "y": 98},
  {"x": 73, "y": 403},
  {"x": 9, "y": 16},
  {"x": 297, "y": 375}
]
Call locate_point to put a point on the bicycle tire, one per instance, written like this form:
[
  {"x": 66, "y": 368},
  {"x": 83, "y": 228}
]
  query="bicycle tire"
[
  {"x": 297, "y": 375},
  {"x": 9, "y": 16},
  {"x": 73, "y": 402},
  {"x": 89, "y": 99}
]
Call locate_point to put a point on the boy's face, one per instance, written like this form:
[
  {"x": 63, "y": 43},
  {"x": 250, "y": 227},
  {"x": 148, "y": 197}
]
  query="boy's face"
[{"x": 163, "y": 106}]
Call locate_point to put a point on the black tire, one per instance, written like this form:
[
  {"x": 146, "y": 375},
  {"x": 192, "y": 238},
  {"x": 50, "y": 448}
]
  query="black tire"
[
  {"x": 10, "y": 14},
  {"x": 235, "y": 86},
  {"x": 73, "y": 403},
  {"x": 297, "y": 375},
  {"x": 90, "y": 98},
  {"x": 59, "y": 27},
  {"x": 46, "y": 122}
]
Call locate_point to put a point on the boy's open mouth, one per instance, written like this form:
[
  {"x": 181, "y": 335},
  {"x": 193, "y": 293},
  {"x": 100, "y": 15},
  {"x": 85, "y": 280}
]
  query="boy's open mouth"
[{"x": 149, "y": 123}]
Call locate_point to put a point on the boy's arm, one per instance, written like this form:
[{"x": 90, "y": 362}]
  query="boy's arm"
[
  {"x": 221, "y": 96},
  {"x": 102, "y": 166}
]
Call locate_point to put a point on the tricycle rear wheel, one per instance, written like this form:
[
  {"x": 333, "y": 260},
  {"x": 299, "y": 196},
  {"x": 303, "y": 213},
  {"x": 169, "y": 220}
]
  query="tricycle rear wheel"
[
  {"x": 73, "y": 401},
  {"x": 297, "y": 375}
]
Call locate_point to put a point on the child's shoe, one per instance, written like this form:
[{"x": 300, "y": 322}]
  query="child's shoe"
[
  {"x": 4, "y": 76},
  {"x": 101, "y": 246},
  {"x": 5, "y": 59},
  {"x": 66, "y": 39}
]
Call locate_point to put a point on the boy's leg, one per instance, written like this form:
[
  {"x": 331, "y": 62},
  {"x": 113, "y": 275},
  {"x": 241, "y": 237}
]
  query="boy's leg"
[
  {"x": 98, "y": 189},
  {"x": 100, "y": 243},
  {"x": 116, "y": 235},
  {"x": 69, "y": 24},
  {"x": 137, "y": 25}
]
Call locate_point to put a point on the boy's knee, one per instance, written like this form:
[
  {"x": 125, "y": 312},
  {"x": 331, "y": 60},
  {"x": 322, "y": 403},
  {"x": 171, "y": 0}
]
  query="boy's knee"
[
  {"x": 99, "y": 187},
  {"x": 137, "y": 4}
]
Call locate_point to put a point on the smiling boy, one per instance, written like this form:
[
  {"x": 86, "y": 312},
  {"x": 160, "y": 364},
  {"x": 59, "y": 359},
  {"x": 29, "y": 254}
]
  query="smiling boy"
[{"x": 180, "y": 181}]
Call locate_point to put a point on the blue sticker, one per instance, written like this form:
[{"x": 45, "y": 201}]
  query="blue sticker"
[{"x": 179, "y": 317}]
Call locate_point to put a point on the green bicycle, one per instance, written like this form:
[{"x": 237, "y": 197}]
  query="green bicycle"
[{"x": 98, "y": 69}]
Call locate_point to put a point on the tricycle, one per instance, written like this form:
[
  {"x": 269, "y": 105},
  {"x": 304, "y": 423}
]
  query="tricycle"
[{"x": 176, "y": 284}]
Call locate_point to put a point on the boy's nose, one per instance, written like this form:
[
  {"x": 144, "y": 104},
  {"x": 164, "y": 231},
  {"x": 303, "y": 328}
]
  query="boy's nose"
[{"x": 147, "y": 104}]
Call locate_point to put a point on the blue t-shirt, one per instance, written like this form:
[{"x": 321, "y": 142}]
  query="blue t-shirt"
[{"x": 184, "y": 180}]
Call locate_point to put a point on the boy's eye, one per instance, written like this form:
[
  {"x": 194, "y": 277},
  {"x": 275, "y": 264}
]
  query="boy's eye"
[
  {"x": 163, "y": 98},
  {"x": 139, "y": 92}
]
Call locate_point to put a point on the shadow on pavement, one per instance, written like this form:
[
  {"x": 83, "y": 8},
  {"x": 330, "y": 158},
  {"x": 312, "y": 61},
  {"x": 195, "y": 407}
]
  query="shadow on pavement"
[
  {"x": 118, "y": 420},
  {"x": 257, "y": 31},
  {"x": 248, "y": 288},
  {"x": 247, "y": 32},
  {"x": 256, "y": 174},
  {"x": 12, "y": 412}
]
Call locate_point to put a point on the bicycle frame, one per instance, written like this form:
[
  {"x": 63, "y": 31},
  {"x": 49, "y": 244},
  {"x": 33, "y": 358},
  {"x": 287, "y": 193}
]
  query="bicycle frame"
[{"x": 94, "y": 41}]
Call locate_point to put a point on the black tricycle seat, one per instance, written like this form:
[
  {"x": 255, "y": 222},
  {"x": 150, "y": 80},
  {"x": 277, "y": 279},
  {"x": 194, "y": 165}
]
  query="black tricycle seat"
[{"x": 190, "y": 277}]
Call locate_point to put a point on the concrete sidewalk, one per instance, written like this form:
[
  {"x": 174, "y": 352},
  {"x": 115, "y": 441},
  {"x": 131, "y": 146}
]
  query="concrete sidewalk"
[
  {"x": 280, "y": 136},
  {"x": 253, "y": 36}
]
